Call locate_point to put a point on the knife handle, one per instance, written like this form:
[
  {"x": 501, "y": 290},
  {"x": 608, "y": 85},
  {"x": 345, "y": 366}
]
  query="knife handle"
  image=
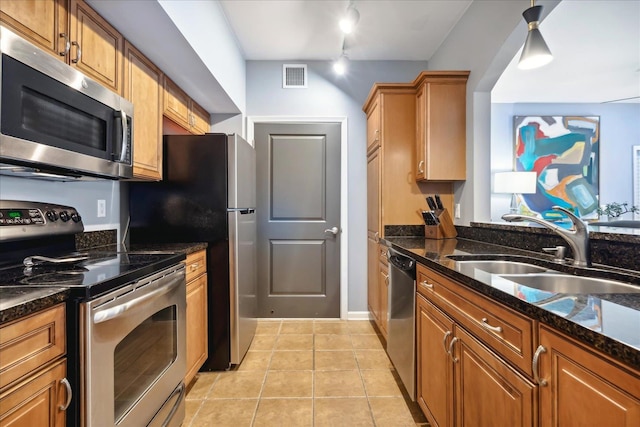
[
  {"x": 431, "y": 203},
  {"x": 439, "y": 202}
]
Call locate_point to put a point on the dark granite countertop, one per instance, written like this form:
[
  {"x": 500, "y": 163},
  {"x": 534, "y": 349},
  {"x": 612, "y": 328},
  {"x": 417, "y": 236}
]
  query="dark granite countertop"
[
  {"x": 607, "y": 322},
  {"x": 186, "y": 248},
  {"x": 19, "y": 301}
]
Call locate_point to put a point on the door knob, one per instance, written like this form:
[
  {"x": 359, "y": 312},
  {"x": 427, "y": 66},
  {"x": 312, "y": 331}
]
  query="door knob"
[{"x": 333, "y": 230}]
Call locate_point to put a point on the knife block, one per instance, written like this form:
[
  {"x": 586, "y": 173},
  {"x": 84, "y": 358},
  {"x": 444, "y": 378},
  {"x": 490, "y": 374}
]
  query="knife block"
[{"x": 444, "y": 230}]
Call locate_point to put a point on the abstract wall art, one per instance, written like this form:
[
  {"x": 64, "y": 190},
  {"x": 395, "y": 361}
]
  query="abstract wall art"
[{"x": 564, "y": 153}]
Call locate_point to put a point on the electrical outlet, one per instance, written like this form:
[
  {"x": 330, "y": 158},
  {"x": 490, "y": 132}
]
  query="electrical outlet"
[
  {"x": 456, "y": 210},
  {"x": 102, "y": 208}
]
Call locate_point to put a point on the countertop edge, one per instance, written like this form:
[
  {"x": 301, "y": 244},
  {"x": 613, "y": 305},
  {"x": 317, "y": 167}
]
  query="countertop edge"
[
  {"x": 621, "y": 352},
  {"x": 37, "y": 299}
]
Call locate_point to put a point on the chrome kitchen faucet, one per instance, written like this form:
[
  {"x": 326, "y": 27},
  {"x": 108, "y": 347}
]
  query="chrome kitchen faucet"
[{"x": 577, "y": 237}]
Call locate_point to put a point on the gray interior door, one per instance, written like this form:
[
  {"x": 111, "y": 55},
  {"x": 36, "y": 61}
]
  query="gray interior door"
[{"x": 298, "y": 205}]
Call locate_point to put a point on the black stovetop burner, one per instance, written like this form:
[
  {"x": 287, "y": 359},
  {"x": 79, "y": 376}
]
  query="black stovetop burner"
[{"x": 101, "y": 272}]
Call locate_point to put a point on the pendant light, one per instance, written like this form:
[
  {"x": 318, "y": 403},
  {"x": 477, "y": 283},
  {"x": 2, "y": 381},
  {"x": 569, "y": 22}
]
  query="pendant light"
[
  {"x": 350, "y": 19},
  {"x": 535, "y": 52}
]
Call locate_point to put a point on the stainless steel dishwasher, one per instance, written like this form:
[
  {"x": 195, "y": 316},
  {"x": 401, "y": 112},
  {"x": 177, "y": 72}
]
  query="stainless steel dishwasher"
[{"x": 401, "y": 328}]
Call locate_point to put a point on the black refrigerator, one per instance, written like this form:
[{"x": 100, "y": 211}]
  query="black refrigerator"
[{"x": 207, "y": 194}]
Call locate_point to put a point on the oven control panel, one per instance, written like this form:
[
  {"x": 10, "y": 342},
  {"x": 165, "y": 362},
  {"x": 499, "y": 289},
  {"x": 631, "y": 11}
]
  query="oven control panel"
[{"x": 24, "y": 220}]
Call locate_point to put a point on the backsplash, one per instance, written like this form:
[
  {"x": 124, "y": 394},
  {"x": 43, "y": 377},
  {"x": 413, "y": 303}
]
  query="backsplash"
[{"x": 93, "y": 239}]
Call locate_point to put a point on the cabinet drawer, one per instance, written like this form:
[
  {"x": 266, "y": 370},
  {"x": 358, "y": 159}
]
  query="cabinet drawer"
[
  {"x": 507, "y": 332},
  {"x": 196, "y": 264},
  {"x": 31, "y": 342}
]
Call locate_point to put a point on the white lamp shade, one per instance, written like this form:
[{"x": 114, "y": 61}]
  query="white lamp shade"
[{"x": 515, "y": 182}]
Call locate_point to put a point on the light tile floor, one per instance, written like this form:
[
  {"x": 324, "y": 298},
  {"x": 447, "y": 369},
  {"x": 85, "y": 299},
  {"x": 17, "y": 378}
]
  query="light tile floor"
[{"x": 305, "y": 373}]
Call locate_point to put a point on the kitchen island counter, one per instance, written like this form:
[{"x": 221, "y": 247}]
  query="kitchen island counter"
[{"x": 607, "y": 322}]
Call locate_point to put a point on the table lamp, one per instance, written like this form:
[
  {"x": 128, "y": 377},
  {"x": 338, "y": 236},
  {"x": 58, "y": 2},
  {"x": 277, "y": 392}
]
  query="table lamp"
[{"x": 514, "y": 182}]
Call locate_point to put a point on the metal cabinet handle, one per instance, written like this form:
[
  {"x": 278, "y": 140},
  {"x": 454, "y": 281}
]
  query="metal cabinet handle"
[
  {"x": 67, "y": 386},
  {"x": 444, "y": 342},
  {"x": 376, "y": 236},
  {"x": 487, "y": 326},
  {"x": 450, "y": 351},
  {"x": 426, "y": 285},
  {"x": 194, "y": 266},
  {"x": 420, "y": 170},
  {"x": 386, "y": 280},
  {"x": 377, "y": 134},
  {"x": 78, "y": 52},
  {"x": 332, "y": 230},
  {"x": 536, "y": 368},
  {"x": 67, "y": 44}
]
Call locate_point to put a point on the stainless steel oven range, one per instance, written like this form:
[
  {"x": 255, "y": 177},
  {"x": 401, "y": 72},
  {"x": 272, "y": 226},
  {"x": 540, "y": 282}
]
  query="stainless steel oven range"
[{"x": 125, "y": 316}]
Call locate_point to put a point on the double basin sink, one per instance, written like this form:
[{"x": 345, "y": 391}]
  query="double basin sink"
[{"x": 542, "y": 278}]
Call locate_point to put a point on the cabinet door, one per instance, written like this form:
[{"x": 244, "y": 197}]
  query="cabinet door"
[
  {"x": 373, "y": 193},
  {"x": 383, "y": 289},
  {"x": 143, "y": 87},
  {"x": 489, "y": 393},
  {"x": 42, "y": 22},
  {"x": 176, "y": 104},
  {"x": 196, "y": 326},
  {"x": 373, "y": 126},
  {"x": 373, "y": 295},
  {"x": 99, "y": 46},
  {"x": 584, "y": 389},
  {"x": 441, "y": 131},
  {"x": 37, "y": 400},
  {"x": 434, "y": 366},
  {"x": 200, "y": 122}
]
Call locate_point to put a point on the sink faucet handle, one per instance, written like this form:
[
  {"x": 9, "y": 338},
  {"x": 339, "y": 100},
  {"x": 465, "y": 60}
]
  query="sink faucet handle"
[{"x": 559, "y": 252}]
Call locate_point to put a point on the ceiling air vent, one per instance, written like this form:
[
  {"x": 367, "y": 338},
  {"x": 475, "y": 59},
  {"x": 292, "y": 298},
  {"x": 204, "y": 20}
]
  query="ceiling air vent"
[{"x": 294, "y": 76}]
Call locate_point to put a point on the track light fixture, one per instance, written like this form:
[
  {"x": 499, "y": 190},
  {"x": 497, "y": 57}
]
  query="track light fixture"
[
  {"x": 350, "y": 19},
  {"x": 535, "y": 52},
  {"x": 341, "y": 64}
]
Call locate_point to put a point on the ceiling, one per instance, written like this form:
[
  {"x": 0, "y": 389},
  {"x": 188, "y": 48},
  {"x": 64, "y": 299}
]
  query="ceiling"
[{"x": 596, "y": 43}]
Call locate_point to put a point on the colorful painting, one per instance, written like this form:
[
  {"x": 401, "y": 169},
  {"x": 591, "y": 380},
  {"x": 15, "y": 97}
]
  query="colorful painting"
[{"x": 564, "y": 153}]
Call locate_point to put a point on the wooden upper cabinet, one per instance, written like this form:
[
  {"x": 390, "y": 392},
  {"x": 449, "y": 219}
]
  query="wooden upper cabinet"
[
  {"x": 374, "y": 125},
  {"x": 584, "y": 388},
  {"x": 176, "y": 103},
  {"x": 72, "y": 31},
  {"x": 201, "y": 123},
  {"x": 183, "y": 111},
  {"x": 143, "y": 87},
  {"x": 43, "y": 22},
  {"x": 98, "y": 47},
  {"x": 441, "y": 126}
]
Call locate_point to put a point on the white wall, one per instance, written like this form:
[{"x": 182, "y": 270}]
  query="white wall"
[
  {"x": 83, "y": 196},
  {"x": 484, "y": 41},
  {"x": 329, "y": 95},
  {"x": 619, "y": 131}
]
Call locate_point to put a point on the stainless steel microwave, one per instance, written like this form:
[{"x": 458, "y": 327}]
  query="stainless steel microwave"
[{"x": 57, "y": 121}]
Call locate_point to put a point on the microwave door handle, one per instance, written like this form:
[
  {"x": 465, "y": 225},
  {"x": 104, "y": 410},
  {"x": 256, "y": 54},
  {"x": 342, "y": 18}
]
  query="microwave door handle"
[{"x": 125, "y": 143}]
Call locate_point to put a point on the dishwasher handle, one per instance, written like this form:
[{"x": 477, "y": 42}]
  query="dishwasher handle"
[{"x": 402, "y": 262}]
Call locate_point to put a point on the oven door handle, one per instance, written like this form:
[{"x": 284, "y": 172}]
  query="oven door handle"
[{"x": 113, "y": 312}]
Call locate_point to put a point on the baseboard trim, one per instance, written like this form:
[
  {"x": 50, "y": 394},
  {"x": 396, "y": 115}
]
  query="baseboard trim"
[{"x": 358, "y": 315}]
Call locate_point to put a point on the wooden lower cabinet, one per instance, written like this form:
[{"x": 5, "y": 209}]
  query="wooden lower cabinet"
[
  {"x": 583, "y": 388},
  {"x": 33, "y": 367},
  {"x": 434, "y": 366},
  {"x": 197, "y": 333},
  {"x": 37, "y": 401},
  {"x": 489, "y": 392},
  {"x": 383, "y": 290},
  {"x": 463, "y": 383}
]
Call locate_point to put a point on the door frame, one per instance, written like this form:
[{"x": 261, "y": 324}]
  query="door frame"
[{"x": 344, "y": 179}]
